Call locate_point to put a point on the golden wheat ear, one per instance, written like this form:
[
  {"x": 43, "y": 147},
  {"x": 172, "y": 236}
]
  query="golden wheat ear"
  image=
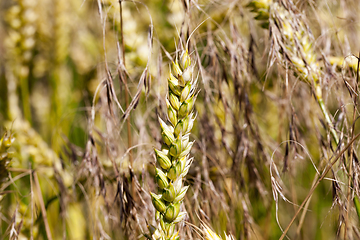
[{"x": 294, "y": 43}]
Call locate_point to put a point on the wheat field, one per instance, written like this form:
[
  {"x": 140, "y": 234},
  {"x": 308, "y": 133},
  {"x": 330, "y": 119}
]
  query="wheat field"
[{"x": 179, "y": 119}]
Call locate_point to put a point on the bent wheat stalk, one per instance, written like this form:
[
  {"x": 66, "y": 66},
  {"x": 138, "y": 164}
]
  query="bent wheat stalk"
[
  {"x": 292, "y": 42},
  {"x": 173, "y": 158}
]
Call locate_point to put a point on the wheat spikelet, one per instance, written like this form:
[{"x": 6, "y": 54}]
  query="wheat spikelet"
[{"x": 209, "y": 234}]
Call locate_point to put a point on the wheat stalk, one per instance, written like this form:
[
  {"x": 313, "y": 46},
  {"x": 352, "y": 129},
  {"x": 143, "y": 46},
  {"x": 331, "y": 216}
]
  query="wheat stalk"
[{"x": 173, "y": 158}]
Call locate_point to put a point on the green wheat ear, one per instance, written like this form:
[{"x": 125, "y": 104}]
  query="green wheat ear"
[{"x": 173, "y": 157}]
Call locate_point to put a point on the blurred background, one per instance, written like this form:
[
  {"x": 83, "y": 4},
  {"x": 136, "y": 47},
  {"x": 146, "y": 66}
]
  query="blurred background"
[{"x": 82, "y": 84}]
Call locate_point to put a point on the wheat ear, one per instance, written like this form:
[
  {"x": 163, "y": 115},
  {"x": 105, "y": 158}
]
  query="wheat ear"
[{"x": 173, "y": 158}]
